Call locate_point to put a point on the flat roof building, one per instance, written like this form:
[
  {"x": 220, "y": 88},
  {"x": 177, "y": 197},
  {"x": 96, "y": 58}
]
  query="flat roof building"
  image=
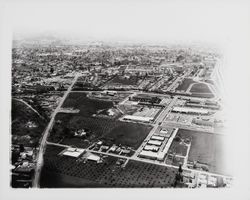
[
  {"x": 152, "y": 155},
  {"x": 190, "y": 110},
  {"x": 138, "y": 118},
  {"x": 73, "y": 152},
  {"x": 154, "y": 142},
  {"x": 167, "y": 133},
  {"x": 151, "y": 148},
  {"x": 148, "y": 154},
  {"x": 93, "y": 157},
  {"x": 160, "y": 138}
]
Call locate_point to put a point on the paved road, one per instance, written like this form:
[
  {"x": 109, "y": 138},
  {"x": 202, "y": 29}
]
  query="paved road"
[
  {"x": 159, "y": 119},
  {"x": 46, "y": 134},
  {"x": 144, "y": 160}
]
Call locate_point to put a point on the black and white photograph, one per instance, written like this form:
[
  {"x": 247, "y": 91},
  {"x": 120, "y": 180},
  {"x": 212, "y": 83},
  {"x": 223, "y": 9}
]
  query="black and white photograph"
[{"x": 125, "y": 96}]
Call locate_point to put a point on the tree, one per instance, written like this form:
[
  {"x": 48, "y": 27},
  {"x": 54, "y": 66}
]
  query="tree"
[{"x": 21, "y": 146}]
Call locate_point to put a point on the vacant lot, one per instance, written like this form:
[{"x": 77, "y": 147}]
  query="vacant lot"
[
  {"x": 206, "y": 148},
  {"x": 87, "y": 106},
  {"x": 129, "y": 134},
  {"x": 67, "y": 172},
  {"x": 185, "y": 84}
]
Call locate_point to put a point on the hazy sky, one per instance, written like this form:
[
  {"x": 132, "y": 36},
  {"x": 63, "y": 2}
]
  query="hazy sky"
[{"x": 209, "y": 21}]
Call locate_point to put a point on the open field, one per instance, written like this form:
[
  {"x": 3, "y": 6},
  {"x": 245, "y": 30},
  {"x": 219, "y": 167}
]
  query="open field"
[
  {"x": 178, "y": 148},
  {"x": 67, "y": 172},
  {"x": 185, "y": 84},
  {"x": 87, "y": 106},
  {"x": 27, "y": 126},
  {"x": 129, "y": 134},
  {"x": 206, "y": 148},
  {"x": 200, "y": 88},
  {"x": 119, "y": 80}
]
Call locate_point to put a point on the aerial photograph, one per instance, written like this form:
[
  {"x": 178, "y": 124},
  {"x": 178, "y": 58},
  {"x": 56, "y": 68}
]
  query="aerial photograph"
[{"x": 110, "y": 107}]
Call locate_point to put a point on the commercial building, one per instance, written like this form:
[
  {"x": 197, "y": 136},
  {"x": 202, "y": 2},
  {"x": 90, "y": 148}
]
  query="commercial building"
[
  {"x": 148, "y": 154},
  {"x": 160, "y": 138},
  {"x": 201, "y": 122},
  {"x": 138, "y": 118},
  {"x": 151, "y": 148},
  {"x": 166, "y": 132},
  {"x": 146, "y": 98},
  {"x": 93, "y": 157},
  {"x": 154, "y": 142},
  {"x": 152, "y": 155},
  {"x": 73, "y": 152},
  {"x": 189, "y": 110}
]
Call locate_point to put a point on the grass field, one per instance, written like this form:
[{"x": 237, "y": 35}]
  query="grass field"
[
  {"x": 200, "y": 88},
  {"x": 185, "y": 84},
  {"x": 61, "y": 171},
  {"x": 178, "y": 148},
  {"x": 87, "y": 106},
  {"x": 129, "y": 134},
  {"x": 206, "y": 148}
]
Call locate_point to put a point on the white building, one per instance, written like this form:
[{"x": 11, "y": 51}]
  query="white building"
[
  {"x": 151, "y": 148},
  {"x": 73, "y": 152},
  {"x": 138, "y": 118},
  {"x": 154, "y": 142},
  {"x": 160, "y": 138}
]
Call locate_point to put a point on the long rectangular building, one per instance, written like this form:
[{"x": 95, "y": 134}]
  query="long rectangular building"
[
  {"x": 154, "y": 142},
  {"x": 138, "y": 118},
  {"x": 160, "y": 138},
  {"x": 151, "y": 148},
  {"x": 190, "y": 110}
]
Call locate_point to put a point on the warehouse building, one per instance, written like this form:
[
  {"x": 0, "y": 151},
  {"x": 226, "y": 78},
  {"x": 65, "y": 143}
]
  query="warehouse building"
[
  {"x": 73, "y": 152},
  {"x": 138, "y": 118},
  {"x": 154, "y": 142},
  {"x": 152, "y": 155},
  {"x": 151, "y": 148},
  {"x": 159, "y": 138},
  {"x": 189, "y": 110}
]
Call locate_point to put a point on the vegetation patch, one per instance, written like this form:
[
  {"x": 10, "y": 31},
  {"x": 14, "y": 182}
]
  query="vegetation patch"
[
  {"x": 64, "y": 171},
  {"x": 185, "y": 84}
]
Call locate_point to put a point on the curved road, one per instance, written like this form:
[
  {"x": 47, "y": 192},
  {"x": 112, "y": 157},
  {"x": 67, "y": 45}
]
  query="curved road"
[{"x": 24, "y": 102}]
